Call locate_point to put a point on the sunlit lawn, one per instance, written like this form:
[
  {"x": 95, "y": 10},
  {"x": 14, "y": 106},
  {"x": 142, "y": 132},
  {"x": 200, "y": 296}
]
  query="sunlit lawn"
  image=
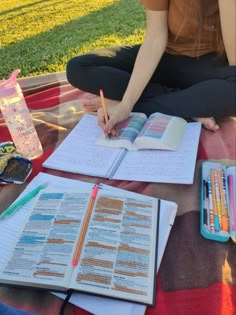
[{"x": 41, "y": 36}]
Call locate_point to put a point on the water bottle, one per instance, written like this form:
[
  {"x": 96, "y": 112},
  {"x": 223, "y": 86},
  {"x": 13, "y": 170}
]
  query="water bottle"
[{"x": 18, "y": 119}]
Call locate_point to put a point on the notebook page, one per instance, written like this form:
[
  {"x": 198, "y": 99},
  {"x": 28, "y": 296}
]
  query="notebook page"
[
  {"x": 78, "y": 153},
  {"x": 163, "y": 166},
  {"x": 10, "y": 227}
]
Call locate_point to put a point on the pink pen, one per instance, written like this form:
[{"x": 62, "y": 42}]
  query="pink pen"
[{"x": 232, "y": 201}]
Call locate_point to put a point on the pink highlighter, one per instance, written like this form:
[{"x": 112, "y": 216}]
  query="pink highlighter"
[{"x": 232, "y": 201}]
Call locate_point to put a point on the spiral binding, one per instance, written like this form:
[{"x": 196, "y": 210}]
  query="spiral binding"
[{"x": 115, "y": 164}]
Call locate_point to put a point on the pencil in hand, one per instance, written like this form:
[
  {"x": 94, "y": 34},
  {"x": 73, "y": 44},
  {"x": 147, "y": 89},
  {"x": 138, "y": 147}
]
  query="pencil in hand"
[{"x": 104, "y": 109}]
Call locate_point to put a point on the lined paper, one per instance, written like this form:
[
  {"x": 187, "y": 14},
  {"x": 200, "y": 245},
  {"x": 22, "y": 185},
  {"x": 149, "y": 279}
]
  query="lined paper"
[
  {"x": 163, "y": 166},
  {"x": 78, "y": 153}
]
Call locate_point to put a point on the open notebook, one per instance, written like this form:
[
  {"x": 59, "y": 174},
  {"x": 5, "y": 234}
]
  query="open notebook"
[{"x": 79, "y": 153}]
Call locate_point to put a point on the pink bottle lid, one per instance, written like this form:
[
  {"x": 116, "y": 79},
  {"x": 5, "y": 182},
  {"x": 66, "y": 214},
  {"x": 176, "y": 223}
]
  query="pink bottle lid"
[{"x": 8, "y": 87}]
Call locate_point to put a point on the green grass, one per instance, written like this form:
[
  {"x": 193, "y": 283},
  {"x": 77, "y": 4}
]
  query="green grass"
[{"x": 40, "y": 36}]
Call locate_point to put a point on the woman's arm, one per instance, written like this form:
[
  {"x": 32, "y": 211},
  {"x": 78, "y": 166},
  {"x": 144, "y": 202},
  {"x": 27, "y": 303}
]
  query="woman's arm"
[
  {"x": 227, "y": 19},
  {"x": 147, "y": 60},
  {"x": 149, "y": 55}
]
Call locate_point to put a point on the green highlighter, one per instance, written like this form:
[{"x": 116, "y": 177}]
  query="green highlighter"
[{"x": 21, "y": 202}]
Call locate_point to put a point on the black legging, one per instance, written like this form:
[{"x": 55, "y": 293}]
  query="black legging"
[{"x": 181, "y": 86}]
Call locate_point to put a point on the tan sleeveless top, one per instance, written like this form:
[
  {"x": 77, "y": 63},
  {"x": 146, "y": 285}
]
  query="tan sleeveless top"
[{"x": 186, "y": 37}]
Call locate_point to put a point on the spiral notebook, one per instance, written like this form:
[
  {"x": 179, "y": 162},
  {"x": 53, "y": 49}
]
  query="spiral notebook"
[{"x": 80, "y": 154}]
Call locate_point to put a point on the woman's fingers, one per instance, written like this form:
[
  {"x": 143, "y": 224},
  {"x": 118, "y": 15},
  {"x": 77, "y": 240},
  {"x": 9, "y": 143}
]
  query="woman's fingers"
[
  {"x": 108, "y": 128},
  {"x": 116, "y": 114}
]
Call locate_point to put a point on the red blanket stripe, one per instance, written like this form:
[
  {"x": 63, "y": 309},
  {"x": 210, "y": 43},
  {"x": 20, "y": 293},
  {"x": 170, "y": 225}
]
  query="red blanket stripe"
[
  {"x": 193, "y": 302},
  {"x": 54, "y": 96},
  {"x": 43, "y": 99}
]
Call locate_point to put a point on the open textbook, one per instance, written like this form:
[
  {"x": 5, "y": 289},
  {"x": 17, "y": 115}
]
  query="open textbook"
[
  {"x": 98, "y": 305},
  {"x": 95, "y": 304},
  {"x": 158, "y": 131},
  {"x": 118, "y": 252},
  {"x": 79, "y": 153}
]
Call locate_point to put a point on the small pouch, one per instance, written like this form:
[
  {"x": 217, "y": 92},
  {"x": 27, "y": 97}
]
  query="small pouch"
[
  {"x": 217, "y": 212},
  {"x": 14, "y": 169}
]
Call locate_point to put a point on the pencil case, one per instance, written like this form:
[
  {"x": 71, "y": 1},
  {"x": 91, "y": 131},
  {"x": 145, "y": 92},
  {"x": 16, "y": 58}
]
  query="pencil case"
[
  {"x": 217, "y": 201},
  {"x": 14, "y": 168}
]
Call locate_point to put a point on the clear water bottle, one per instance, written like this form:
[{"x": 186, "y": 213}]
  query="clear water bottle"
[{"x": 18, "y": 119}]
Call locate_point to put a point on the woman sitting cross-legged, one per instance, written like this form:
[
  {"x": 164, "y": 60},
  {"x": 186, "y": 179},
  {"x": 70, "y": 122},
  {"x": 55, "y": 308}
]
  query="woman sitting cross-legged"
[{"x": 186, "y": 65}]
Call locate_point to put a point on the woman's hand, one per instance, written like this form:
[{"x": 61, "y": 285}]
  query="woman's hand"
[{"x": 116, "y": 114}]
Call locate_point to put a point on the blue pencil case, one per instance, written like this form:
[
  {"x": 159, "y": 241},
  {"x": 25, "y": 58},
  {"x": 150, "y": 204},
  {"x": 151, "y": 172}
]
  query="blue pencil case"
[{"x": 218, "y": 201}]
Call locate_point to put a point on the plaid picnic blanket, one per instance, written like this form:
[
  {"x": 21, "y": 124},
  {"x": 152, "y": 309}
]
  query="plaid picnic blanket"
[{"x": 196, "y": 276}]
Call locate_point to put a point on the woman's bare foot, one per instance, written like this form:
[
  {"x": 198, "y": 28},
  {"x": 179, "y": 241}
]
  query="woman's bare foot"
[
  {"x": 93, "y": 104},
  {"x": 208, "y": 123}
]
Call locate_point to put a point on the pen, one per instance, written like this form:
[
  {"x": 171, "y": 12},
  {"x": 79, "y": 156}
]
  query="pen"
[
  {"x": 21, "y": 202},
  {"x": 85, "y": 226},
  {"x": 104, "y": 109},
  {"x": 230, "y": 179},
  {"x": 206, "y": 208},
  {"x": 224, "y": 202},
  {"x": 210, "y": 206},
  {"x": 212, "y": 191},
  {"x": 217, "y": 196}
]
